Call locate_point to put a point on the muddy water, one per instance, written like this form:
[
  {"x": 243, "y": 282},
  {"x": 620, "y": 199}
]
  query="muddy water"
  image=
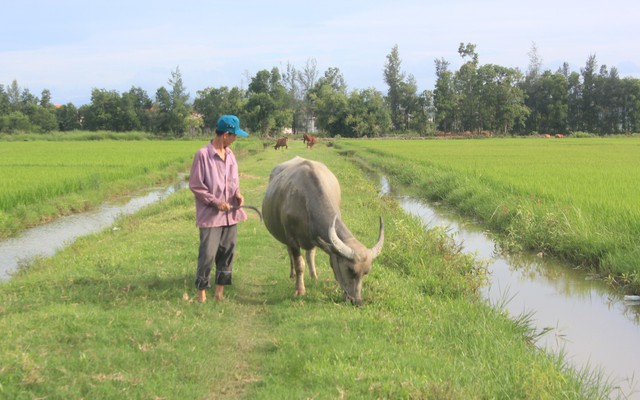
[
  {"x": 591, "y": 325},
  {"x": 45, "y": 240}
]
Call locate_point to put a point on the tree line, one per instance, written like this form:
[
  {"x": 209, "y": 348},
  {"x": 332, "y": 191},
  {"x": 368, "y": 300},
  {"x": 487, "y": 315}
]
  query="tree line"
[{"x": 474, "y": 99}]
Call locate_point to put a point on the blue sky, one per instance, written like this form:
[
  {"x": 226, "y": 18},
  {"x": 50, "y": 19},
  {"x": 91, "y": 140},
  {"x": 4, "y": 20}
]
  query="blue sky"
[{"x": 73, "y": 46}]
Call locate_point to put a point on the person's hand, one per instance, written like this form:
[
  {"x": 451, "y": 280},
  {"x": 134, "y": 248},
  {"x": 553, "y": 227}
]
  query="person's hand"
[
  {"x": 224, "y": 207},
  {"x": 240, "y": 199}
]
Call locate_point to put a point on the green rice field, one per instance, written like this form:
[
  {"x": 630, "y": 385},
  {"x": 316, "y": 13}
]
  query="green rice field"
[
  {"x": 43, "y": 180},
  {"x": 576, "y": 199}
]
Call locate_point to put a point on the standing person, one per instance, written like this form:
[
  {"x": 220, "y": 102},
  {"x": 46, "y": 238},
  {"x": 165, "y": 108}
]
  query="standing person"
[{"x": 215, "y": 184}]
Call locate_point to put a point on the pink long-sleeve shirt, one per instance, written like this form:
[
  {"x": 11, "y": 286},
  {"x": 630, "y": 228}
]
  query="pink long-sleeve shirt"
[{"x": 214, "y": 181}]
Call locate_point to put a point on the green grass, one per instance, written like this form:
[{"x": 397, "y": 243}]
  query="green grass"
[
  {"x": 113, "y": 316},
  {"x": 574, "y": 199},
  {"x": 40, "y": 181}
]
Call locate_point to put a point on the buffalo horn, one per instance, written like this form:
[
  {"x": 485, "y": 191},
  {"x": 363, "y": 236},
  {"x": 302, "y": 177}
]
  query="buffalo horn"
[
  {"x": 377, "y": 249},
  {"x": 339, "y": 246}
]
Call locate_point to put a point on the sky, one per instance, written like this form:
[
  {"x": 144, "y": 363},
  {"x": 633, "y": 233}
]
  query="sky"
[{"x": 71, "y": 47}]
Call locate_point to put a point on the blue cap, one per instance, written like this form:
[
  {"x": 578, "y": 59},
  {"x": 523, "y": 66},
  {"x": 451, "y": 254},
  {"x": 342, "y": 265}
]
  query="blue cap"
[{"x": 231, "y": 124}]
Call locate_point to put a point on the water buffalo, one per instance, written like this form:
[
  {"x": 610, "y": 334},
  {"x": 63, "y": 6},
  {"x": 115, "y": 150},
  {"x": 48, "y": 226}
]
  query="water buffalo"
[
  {"x": 301, "y": 209},
  {"x": 282, "y": 142}
]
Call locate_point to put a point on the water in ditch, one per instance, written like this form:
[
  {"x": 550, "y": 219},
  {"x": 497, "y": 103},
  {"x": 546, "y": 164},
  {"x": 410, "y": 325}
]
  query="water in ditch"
[
  {"x": 593, "y": 326},
  {"x": 45, "y": 240}
]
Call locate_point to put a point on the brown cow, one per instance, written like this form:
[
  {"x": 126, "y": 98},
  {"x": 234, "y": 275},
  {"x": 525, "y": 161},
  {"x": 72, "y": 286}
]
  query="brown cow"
[
  {"x": 559, "y": 135},
  {"x": 311, "y": 140},
  {"x": 282, "y": 142},
  {"x": 306, "y": 137}
]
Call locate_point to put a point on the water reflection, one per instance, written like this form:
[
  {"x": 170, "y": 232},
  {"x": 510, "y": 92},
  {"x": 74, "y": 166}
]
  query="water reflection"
[
  {"x": 593, "y": 326},
  {"x": 45, "y": 240}
]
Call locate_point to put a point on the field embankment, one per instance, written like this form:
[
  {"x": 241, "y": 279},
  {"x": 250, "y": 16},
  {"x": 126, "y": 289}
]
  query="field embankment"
[
  {"x": 113, "y": 315},
  {"x": 575, "y": 199}
]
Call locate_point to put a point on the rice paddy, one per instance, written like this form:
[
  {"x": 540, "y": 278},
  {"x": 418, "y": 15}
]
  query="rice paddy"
[
  {"x": 576, "y": 199},
  {"x": 42, "y": 180}
]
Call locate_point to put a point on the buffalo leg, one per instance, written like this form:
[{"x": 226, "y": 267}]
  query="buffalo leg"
[
  {"x": 298, "y": 264},
  {"x": 292, "y": 263},
  {"x": 311, "y": 262}
]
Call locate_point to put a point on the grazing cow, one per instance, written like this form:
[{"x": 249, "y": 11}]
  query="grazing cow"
[
  {"x": 282, "y": 142},
  {"x": 301, "y": 209},
  {"x": 559, "y": 135},
  {"x": 311, "y": 140}
]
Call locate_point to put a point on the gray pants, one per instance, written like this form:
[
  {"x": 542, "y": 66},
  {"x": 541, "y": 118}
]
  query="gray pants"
[{"x": 216, "y": 245}]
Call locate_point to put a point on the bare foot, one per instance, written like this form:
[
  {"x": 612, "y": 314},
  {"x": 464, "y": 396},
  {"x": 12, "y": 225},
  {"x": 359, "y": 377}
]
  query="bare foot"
[
  {"x": 202, "y": 296},
  {"x": 219, "y": 294}
]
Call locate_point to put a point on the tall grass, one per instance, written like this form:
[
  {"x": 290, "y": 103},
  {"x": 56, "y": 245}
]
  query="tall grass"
[
  {"x": 575, "y": 199},
  {"x": 113, "y": 316}
]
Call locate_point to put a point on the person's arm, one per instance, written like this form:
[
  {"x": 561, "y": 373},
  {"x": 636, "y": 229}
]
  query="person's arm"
[{"x": 197, "y": 182}]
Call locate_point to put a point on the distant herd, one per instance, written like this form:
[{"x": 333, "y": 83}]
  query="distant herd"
[{"x": 306, "y": 138}]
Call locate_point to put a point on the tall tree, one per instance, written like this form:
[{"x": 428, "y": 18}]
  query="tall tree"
[
  {"x": 444, "y": 98},
  {"x": 467, "y": 88},
  {"x": 631, "y": 105},
  {"x": 180, "y": 108},
  {"x": 307, "y": 79},
  {"x": 13, "y": 93},
  {"x": 5, "y": 104},
  {"x": 589, "y": 95},
  {"x": 393, "y": 77}
]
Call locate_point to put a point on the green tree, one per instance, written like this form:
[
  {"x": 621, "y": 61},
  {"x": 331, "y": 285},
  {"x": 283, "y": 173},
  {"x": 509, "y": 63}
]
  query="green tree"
[
  {"x": 574, "y": 99},
  {"x": 180, "y": 108},
  {"x": 368, "y": 114},
  {"x": 211, "y": 103},
  {"x": 68, "y": 117},
  {"x": 589, "y": 109},
  {"x": 467, "y": 87},
  {"x": 631, "y": 105},
  {"x": 45, "y": 98},
  {"x": 268, "y": 106},
  {"x": 554, "y": 103},
  {"x": 138, "y": 105},
  {"x": 161, "y": 112},
  {"x": 445, "y": 98},
  {"x": 44, "y": 119},
  {"x": 394, "y": 77},
  {"x": 15, "y": 122},
  {"x": 501, "y": 106},
  {"x": 329, "y": 103},
  {"x": 13, "y": 94},
  {"x": 5, "y": 104},
  {"x": 410, "y": 103},
  {"x": 307, "y": 79}
]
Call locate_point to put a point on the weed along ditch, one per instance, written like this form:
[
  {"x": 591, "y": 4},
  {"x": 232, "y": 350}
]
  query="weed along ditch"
[
  {"x": 45, "y": 240},
  {"x": 573, "y": 312}
]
